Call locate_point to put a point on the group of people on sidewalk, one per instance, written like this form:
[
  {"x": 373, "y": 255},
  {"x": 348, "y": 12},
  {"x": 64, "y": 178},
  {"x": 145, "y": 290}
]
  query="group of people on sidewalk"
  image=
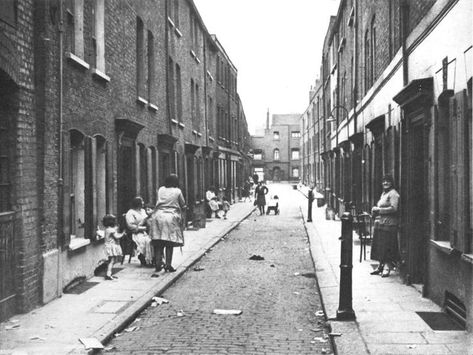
[
  {"x": 152, "y": 231},
  {"x": 216, "y": 201}
]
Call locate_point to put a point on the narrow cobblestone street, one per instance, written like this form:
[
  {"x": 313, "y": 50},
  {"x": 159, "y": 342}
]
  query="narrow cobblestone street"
[{"x": 278, "y": 296}]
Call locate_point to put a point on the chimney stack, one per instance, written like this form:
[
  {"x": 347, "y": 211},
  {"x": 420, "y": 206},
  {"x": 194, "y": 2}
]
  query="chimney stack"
[
  {"x": 311, "y": 93},
  {"x": 267, "y": 120}
]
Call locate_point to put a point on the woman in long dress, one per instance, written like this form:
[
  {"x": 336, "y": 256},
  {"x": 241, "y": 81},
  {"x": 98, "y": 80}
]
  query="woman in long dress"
[
  {"x": 260, "y": 199},
  {"x": 166, "y": 227},
  {"x": 136, "y": 222},
  {"x": 385, "y": 245}
]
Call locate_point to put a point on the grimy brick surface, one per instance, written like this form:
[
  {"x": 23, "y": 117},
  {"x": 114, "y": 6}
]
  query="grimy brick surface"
[{"x": 279, "y": 307}]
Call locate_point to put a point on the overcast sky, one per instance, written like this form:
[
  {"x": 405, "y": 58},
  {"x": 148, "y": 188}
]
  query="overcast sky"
[{"x": 276, "y": 46}]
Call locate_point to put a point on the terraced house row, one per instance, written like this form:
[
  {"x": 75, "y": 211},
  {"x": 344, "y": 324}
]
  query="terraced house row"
[
  {"x": 395, "y": 97},
  {"x": 99, "y": 102}
]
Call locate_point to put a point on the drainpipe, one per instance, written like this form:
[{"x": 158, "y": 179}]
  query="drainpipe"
[
  {"x": 60, "y": 181},
  {"x": 166, "y": 47},
  {"x": 206, "y": 119},
  {"x": 324, "y": 127},
  {"x": 355, "y": 90},
  {"x": 203, "y": 173},
  {"x": 404, "y": 24}
]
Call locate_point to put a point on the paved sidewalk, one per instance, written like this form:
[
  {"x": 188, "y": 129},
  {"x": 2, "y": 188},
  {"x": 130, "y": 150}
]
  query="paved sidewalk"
[
  {"x": 385, "y": 308},
  {"x": 109, "y": 306}
]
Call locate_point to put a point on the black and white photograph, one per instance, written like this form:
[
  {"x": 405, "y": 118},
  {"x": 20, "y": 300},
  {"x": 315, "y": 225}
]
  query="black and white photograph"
[{"x": 236, "y": 177}]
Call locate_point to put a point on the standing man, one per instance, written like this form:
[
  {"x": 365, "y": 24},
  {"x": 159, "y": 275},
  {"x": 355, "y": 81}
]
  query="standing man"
[{"x": 310, "y": 199}]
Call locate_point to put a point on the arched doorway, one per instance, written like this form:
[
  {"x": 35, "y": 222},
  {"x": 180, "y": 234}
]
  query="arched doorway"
[{"x": 276, "y": 173}]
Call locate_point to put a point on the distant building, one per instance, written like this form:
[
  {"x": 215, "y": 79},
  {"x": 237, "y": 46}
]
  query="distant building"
[{"x": 276, "y": 152}]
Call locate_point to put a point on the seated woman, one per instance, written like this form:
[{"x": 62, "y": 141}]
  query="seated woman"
[
  {"x": 136, "y": 222},
  {"x": 214, "y": 207}
]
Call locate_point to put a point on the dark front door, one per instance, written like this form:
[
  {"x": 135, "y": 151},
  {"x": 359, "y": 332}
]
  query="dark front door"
[
  {"x": 7, "y": 265},
  {"x": 414, "y": 203},
  {"x": 126, "y": 181},
  {"x": 277, "y": 174},
  {"x": 190, "y": 188}
]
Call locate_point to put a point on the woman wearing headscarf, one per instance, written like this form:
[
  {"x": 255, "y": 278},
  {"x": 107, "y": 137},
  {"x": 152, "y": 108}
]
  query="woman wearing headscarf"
[
  {"x": 167, "y": 226},
  {"x": 385, "y": 245}
]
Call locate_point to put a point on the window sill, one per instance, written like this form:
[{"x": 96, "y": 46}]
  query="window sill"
[
  {"x": 210, "y": 76},
  {"x": 446, "y": 247},
  {"x": 334, "y": 67},
  {"x": 211, "y": 139},
  {"x": 192, "y": 54},
  {"x": 177, "y": 32},
  {"x": 443, "y": 246},
  {"x": 142, "y": 101},
  {"x": 181, "y": 125},
  {"x": 77, "y": 243},
  {"x": 173, "y": 121},
  {"x": 78, "y": 61},
  {"x": 199, "y": 134},
  {"x": 342, "y": 45},
  {"x": 194, "y": 132},
  {"x": 100, "y": 75},
  {"x": 153, "y": 107},
  {"x": 197, "y": 59},
  {"x": 467, "y": 258},
  {"x": 171, "y": 22}
]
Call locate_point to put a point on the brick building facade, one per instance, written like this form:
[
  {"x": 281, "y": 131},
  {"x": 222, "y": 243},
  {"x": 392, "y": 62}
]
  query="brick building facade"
[
  {"x": 276, "y": 152},
  {"x": 399, "y": 103},
  {"x": 100, "y": 101}
]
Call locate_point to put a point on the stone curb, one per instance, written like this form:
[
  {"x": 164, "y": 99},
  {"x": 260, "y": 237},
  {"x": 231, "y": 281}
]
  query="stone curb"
[
  {"x": 351, "y": 341},
  {"x": 106, "y": 332}
]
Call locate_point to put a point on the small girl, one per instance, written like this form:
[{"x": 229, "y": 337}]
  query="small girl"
[
  {"x": 112, "y": 243},
  {"x": 225, "y": 207}
]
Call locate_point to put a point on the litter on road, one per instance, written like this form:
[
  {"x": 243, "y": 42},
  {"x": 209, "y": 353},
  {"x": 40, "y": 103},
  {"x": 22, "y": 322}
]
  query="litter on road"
[
  {"x": 335, "y": 334},
  {"x": 198, "y": 268},
  {"x": 235, "y": 312},
  {"x": 256, "y": 257},
  {"x": 91, "y": 343},
  {"x": 319, "y": 313},
  {"x": 35, "y": 337},
  {"x": 160, "y": 300},
  {"x": 132, "y": 329},
  {"x": 13, "y": 326},
  {"x": 320, "y": 339},
  {"x": 316, "y": 329}
]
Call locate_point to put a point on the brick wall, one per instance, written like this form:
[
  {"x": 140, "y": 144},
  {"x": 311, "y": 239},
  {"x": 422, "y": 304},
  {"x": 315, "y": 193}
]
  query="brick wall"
[
  {"x": 386, "y": 15},
  {"x": 25, "y": 179}
]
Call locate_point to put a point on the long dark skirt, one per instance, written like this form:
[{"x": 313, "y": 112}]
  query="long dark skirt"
[
  {"x": 385, "y": 246},
  {"x": 260, "y": 200}
]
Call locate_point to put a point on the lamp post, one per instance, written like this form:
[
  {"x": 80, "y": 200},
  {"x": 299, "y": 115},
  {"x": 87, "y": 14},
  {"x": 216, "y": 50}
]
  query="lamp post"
[
  {"x": 333, "y": 119},
  {"x": 345, "y": 310},
  {"x": 328, "y": 190}
]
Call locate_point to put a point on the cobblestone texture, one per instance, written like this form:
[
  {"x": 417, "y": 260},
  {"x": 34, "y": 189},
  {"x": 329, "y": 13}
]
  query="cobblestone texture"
[{"x": 278, "y": 304}]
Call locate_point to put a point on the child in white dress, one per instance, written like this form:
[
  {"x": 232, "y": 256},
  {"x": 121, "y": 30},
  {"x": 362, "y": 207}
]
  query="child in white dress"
[{"x": 112, "y": 243}]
